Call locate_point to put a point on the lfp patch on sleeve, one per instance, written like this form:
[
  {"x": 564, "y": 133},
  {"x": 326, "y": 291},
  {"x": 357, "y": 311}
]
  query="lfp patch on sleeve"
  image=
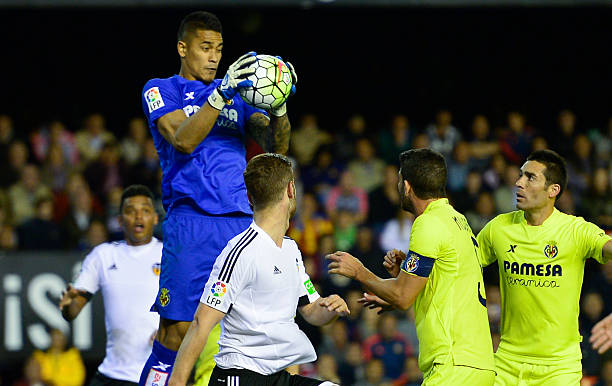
[{"x": 154, "y": 99}]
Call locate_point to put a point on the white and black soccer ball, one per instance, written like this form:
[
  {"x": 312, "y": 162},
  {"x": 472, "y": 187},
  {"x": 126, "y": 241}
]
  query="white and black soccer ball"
[{"x": 271, "y": 83}]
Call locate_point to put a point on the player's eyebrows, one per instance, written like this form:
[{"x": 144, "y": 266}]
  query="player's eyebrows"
[
  {"x": 209, "y": 43},
  {"x": 528, "y": 174}
]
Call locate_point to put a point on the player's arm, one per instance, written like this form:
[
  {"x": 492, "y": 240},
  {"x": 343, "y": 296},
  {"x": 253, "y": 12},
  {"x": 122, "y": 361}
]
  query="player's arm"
[
  {"x": 486, "y": 255},
  {"x": 72, "y": 302},
  {"x": 324, "y": 310},
  {"x": 606, "y": 251},
  {"x": 400, "y": 292},
  {"x": 204, "y": 320},
  {"x": 601, "y": 334},
  {"x": 272, "y": 134}
]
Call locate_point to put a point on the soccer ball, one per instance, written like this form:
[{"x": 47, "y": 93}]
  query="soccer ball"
[{"x": 271, "y": 83}]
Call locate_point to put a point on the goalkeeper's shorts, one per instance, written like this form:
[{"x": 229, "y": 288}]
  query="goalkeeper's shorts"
[{"x": 513, "y": 372}]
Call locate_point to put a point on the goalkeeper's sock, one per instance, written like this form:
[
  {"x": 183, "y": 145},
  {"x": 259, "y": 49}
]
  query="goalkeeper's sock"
[{"x": 159, "y": 366}]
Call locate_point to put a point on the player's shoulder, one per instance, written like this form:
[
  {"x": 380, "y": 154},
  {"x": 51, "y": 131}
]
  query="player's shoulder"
[
  {"x": 246, "y": 240},
  {"x": 291, "y": 243},
  {"x": 104, "y": 250},
  {"x": 509, "y": 218},
  {"x": 174, "y": 81}
]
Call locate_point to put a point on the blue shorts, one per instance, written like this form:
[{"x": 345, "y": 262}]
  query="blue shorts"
[{"x": 192, "y": 242}]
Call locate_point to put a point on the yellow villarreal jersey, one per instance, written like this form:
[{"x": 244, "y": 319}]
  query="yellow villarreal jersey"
[
  {"x": 450, "y": 312},
  {"x": 541, "y": 270}
]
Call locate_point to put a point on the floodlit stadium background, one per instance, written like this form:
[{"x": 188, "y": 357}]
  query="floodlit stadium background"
[{"x": 64, "y": 60}]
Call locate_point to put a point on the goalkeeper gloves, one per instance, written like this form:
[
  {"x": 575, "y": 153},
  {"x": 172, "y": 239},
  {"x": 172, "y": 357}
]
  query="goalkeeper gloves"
[
  {"x": 234, "y": 79},
  {"x": 282, "y": 109}
]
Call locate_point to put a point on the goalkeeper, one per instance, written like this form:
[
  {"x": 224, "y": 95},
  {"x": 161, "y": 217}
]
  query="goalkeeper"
[{"x": 199, "y": 126}]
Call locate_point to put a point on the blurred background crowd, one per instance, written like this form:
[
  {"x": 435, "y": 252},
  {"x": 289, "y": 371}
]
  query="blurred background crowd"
[{"x": 60, "y": 188}]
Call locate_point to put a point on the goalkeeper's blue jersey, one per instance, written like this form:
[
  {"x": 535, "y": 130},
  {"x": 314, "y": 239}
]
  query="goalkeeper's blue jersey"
[{"x": 209, "y": 179}]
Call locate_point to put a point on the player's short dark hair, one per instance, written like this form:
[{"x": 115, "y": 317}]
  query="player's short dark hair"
[
  {"x": 135, "y": 190},
  {"x": 266, "y": 178},
  {"x": 198, "y": 20},
  {"x": 425, "y": 171},
  {"x": 556, "y": 169}
]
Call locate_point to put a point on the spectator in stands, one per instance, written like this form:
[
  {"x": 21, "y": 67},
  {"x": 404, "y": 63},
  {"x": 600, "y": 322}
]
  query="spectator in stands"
[
  {"x": 347, "y": 197},
  {"x": 32, "y": 374},
  {"x": 393, "y": 141},
  {"x": 40, "y": 232},
  {"x": 7, "y": 135},
  {"x": 76, "y": 224},
  {"x": 345, "y": 229},
  {"x": 388, "y": 345},
  {"x": 395, "y": 233},
  {"x": 602, "y": 139},
  {"x": 96, "y": 234},
  {"x": 443, "y": 136},
  {"x": 420, "y": 141},
  {"x": 601, "y": 283},
  {"x": 459, "y": 166},
  {"x": 580, "y": 167},
  {"x": 345, "y": 139},
  {"x": 61, "y": 365},
  {"x": 516, "y": 140},
  {"x": 351, "y": 368},
  {"x": 482, "y": 145},
  {"x": 113, "y": 204},
  {"x": 565, "y": 133},
  {"x": 92, "y": 137},
  {"x": 307, "y": 138},
  {"x": 592, "y": 306},
  {"x": 8, "y": 237},
  {"x": 539, "y": 143},
  {"x": 54, "y": 134},
  {"x": 384, "y": 200},
  {"x": 367, "y": 169},
  {"x": 146, "y": 169},
  {"x": 465, "y": 199},
  {"x": 412, "y": 375},
  {"x": 17, "y": 159},
  {"x": 335, "y": 340},
  {"x": 6, "y": 211},
  {"x": 323, "y": 174},
  {"x": 505, "y": 195},
  {"x": 483, "y": 212},
  {"x": 132, "y": 145},
  {"x": 374, "y": 374},
  {"x": 106, "y": 172},
  {"x": 309, "y": 225},
  {"x": 606, "y": 373},
  {"x": 56, "y": 169},
  {"x": 327, "y": 368},
  {"x": 597, "y": 205},
  {"x": 369, "y": 252},
  {"x": 494, "y": 175},
  {"x": 24, "y": 193}
]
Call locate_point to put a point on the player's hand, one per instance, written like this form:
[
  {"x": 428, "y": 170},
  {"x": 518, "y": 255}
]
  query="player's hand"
[
  {"x": 373, "y": 302},
  {"x": 344, "y": 264},
  {"x": 234, "y": 79},
  {"x": 335, "y": 303},
  {"x": 601, "y": 335},
  {"x": 68, "y": 295},
  {"x": 282, "y": 109},
  {"x": 393, "y": 261}
]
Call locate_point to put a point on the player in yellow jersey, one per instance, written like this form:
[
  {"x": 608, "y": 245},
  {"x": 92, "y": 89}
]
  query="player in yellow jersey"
[
  {"x": 541, "y": 254},
  {"x": 441, "y": 276}
]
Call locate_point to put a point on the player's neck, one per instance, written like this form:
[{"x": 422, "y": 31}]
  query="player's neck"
[
  {"x": 537, "y": 216},
  {"x": 185, "y": 74},
  {"x": 421, "y": 205},
  {"x": 274, "y": 221}
]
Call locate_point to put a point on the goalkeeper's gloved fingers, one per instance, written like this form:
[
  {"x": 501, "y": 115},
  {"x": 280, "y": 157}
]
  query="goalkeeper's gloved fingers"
[
  {"x": 294, "y": 76},
  {"x": 245, "y": 83},
  {"x": 243, "y": 73},
  {"x": 245, "y": 60}
]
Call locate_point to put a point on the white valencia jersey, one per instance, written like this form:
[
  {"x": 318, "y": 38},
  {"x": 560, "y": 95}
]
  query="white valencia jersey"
[
  {"x": 259, "y": 286},
  {"x": 129, "y": 279}
]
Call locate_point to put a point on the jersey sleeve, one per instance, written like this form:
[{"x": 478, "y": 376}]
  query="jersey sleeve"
[
  {"x": 231, "y": 273},
  {"x": 486, "y": 254},
  {"x": 307, "y": 292},
  {"x": 89, "y": 277},
  {"x": 425, "y": 239},
  {"x": 160, "y": 97},
  {"x": 592, "y": 238}
]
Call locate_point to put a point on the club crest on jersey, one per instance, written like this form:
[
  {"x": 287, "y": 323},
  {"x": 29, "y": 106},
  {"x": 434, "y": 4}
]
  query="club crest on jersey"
[
  {"x": 154, "y": 99},
  {"x": 550, "y": 250},
  {"x": 412, "y": 263},
  {"x": 164, "y": 297},
  {"x": 219, "y": 289},
  {"x": 156, "y": 268}
]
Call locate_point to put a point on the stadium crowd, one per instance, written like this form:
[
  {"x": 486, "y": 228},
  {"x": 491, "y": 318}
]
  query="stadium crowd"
[{"x": 61, "y": 188}]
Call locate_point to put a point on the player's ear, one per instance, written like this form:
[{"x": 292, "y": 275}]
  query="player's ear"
[
  {"x": 554, "y": 190},
  {"x": 250, "y": 199},
  {"x": 181, "y": 47},
  {"x": 291, "y": 189}
]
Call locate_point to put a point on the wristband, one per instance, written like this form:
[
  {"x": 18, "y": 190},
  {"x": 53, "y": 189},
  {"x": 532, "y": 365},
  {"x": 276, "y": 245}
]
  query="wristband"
[{"x": 216, "y": 101}]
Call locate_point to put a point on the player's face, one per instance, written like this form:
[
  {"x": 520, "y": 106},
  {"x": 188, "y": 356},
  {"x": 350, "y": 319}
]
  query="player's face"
[
  {"x": 138, "y": 218},
  {"x": 200, "y": 55},
  {"x": 531, "y": 189}
]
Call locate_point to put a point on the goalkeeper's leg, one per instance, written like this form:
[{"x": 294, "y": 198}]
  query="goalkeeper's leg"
[{"x": 206, "y": 362}]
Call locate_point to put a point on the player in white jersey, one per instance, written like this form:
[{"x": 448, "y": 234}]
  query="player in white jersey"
[
  {"x": 127, "y": 272},
  {"x": 257, "y": 283}
]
